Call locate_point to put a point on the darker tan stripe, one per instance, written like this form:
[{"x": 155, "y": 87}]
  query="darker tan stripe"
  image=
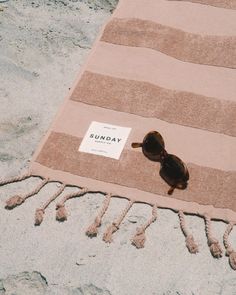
[
  {"x": 146, "y": 99},
  {"x": 207, "y": 186},
  {"x": 200, "y": 49},
  {"x": 229, "y": 4}
]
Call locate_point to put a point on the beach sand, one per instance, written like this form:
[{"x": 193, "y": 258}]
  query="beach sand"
[{"x": 43, "y": 44}]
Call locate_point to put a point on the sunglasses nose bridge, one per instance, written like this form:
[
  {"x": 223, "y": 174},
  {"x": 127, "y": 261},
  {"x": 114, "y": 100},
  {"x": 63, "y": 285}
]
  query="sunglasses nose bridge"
[{"x": 163, "y": 155}]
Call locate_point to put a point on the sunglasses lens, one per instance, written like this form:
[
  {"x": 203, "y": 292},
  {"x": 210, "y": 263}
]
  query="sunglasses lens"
[
  {"x": 153, "y": 144},
  {"x": 174, "y": 172}
]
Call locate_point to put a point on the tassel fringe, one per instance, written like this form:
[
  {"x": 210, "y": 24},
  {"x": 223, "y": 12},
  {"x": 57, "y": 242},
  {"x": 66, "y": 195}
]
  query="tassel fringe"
[
  {"x": 232, "y": 259},
  {"x": 229, "y": 250},
  {"x": 61, "y": 213},
  {"x": 107, "y": 236},
  {"x": 215, "y": 248},
  {"x": 92, "y": 230},
  {"x": 212, "y": 242},
  {"x": 39, "y": 213},
  {"x": 14, "y": 202},
  {"x": 139, "y": 238},
  {"x": 38, "y": 218},
  {"x": 18, "y": 200},
  {"x": 189, "y": 240},
  {"x": 191, "y": 244}
]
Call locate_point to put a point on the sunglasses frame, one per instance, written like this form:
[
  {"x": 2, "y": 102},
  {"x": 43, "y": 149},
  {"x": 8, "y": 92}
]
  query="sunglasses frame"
[{"x": 153, "y": 147}]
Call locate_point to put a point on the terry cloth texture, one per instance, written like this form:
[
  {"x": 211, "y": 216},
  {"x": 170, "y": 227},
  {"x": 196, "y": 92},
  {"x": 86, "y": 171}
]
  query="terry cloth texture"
[{"x": 160, "y": 65}]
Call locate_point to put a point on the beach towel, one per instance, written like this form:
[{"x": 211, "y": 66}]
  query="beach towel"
[{"x": 163, "y": 66}]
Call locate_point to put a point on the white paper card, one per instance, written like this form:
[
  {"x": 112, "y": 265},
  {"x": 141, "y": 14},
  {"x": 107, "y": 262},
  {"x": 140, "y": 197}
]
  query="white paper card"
[{"x": 104, "y": 140}]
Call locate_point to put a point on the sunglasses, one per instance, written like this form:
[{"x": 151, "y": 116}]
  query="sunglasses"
[{"x": 173, "y": 170}]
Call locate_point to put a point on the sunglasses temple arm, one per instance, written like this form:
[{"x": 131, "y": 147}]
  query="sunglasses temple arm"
[
  {"x": 171, "y": 190},
  {"x": 136, "y": 145}
]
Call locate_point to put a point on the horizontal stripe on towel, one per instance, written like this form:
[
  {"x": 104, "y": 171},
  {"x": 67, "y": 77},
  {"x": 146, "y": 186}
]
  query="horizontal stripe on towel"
[
  {"x": 185, "y": 46},
  {"x": 149, "y": 100},
  {"x": 60, "y": 152},
  {"x": 138, "y": 63}
]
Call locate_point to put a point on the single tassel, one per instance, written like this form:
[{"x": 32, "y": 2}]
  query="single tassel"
[
  {"x": 139, "y": 238},
  {"x": 229, "y": 250},
  {"x": 191, "y": 245},
  {"x": 61, "y": 214},
  {"x": 39, "y": 213},
  {"x": 215, "y": 248},
  {"x": 18, "y": 200},
  {"x": 38, "y": 218},
  {"x": 232, "y": 258},
  {"x": 92, "y": 230},
  {"x": 107, "y": 236},
  {"x": 189, "y": 240},
  {"x": 14, "y": 202},
  {"x": 213, "y": 243}
]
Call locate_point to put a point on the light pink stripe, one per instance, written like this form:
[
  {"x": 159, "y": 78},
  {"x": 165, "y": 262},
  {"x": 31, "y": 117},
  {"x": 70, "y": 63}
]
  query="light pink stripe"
[{"x": 143, "y": 64}]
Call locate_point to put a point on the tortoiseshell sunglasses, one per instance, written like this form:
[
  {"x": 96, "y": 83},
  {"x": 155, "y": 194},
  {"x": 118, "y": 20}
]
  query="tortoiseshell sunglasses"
[{"x": 173, "y": 170}]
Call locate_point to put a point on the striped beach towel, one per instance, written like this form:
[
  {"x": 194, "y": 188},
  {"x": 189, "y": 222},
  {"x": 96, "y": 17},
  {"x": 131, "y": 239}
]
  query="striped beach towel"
[{"x": 165, "y": 66}]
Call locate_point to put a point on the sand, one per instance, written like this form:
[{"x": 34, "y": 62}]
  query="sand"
[{"x": 42, "y": 47}]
